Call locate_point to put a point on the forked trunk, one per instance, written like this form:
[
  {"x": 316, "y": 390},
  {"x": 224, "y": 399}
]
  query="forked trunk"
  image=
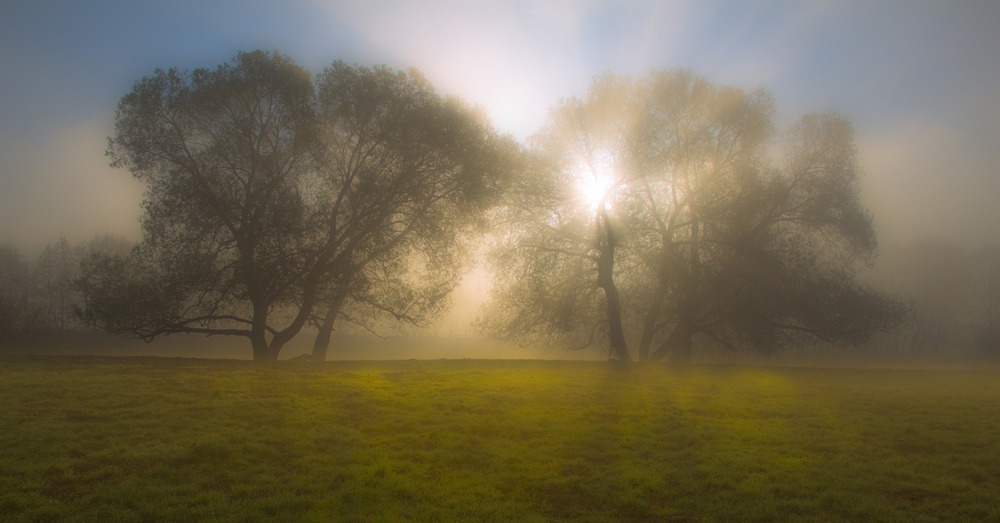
[{"x": 262, "y": 352}]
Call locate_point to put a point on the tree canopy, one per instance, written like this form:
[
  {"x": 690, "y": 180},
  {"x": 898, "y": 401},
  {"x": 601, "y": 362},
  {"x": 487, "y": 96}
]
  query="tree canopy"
[
  {"x": 698, "y": 230},
  {"x": 274, "y": 200},
  {"x": 657, "y": 212}
]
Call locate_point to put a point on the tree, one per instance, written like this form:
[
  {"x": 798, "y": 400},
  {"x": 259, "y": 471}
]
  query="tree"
[
  {"x": 20, "y": 316},
  {"x": 952, "y": 294},
  {"x": 987, "y": 299},
  {"x": 568, "y": 224},
  {"x": 268, "y": 201},
  {"x": 711, "y": 238},
  {"x": 936, "y": 280},
  {"x": 55, "y": 270},
  {"x": 404, "y": 173}
]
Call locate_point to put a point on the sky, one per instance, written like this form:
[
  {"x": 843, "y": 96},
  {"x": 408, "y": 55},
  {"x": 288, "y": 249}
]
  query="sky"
[{"x": 920, "y": 81}]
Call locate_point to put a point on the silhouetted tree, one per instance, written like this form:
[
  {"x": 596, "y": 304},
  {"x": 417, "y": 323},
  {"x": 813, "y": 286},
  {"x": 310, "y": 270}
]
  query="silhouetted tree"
[
  {"x": 20, "y": 316},
  {"x": 266, "y": 202},
  {"x": 109, "y": 244},
  {"x": 710, "y": 238},
  {"x": 566, "y": 226},
  {"x": 986, "y": 281},
  {"x": 403, "y": 173},
  {"x": 55, "y": 270},
  {"x": 953, "y": 297},
  {"x": 935, "y": 279}
]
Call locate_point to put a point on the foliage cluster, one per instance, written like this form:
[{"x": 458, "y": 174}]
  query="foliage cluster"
[
  {"x": 276, "y": 200},
  {"x": 652, "y": 212},
  {"x": 704, "y": 227},
  {"x": 181, "y": 440}
]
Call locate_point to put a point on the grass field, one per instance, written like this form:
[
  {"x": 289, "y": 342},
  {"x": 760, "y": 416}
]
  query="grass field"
[{"x": 146, "y": 439}]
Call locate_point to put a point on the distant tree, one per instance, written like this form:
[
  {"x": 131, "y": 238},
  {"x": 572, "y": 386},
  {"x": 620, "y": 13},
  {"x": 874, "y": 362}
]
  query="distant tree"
[
  {"x": 270, "y": 206},
  {"x": 986, "y": 282},
  {"x": 707, "y": 237},
  {"x": 20, "y": 316},
  {"x": 38, "y": 297},
  {"x": 935, "y": 279},
  {"x": 110, "y": 244},
  {"x": 55, "y": 271},
  {"x": 953, "y": 297}
]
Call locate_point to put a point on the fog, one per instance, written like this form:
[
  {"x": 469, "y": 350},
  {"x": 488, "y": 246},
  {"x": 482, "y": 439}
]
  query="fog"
[{"x": 918, "y": 81}]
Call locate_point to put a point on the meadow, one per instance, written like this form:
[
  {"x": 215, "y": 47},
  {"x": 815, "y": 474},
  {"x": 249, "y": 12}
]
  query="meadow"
[{"x": 161, "y": 439}]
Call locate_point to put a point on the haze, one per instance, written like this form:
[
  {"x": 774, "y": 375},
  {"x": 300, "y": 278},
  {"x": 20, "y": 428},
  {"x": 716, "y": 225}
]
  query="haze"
[{"x": 918, "y": 81}]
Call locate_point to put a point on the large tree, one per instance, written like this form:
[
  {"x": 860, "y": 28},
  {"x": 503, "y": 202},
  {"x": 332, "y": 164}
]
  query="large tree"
[
  {"x": 662, "y": 193},
  {"x": 272, "y": 201},
  {"x": 404, "y": 174}
]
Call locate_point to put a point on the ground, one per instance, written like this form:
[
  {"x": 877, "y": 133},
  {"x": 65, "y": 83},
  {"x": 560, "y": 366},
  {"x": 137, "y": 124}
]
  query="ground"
[{"x": 133, "y": 439}]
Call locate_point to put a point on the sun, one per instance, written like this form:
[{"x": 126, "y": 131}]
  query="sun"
[
  {"x": 595, "y": 181},
  {"x": 594, "y": 189}
]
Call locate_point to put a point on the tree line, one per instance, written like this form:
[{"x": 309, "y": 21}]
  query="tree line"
[
  {"x": 653, "y": 214},
  {"x": 952, "y": 295},
  {"x": 39, "y": 298}
]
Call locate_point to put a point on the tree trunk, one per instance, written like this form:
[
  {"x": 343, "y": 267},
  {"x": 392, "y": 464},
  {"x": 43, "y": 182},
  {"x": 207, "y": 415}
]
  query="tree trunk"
[
  {"x": 656, "y": 305},
  {"x": 649, "y": 327},
  {"x": 649, "y": 324},
  {"x": 262, "y": 351},
  {"x": 606, "y": 280},
  {"x": 616, "y": 333},
  {"x": 679, "y": 343},
  {"x": 322, "y": 343}
]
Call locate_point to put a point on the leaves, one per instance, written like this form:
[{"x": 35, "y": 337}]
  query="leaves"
[
  {"x": 714, "y": 239},
  {"x": 271, "y": 198}
]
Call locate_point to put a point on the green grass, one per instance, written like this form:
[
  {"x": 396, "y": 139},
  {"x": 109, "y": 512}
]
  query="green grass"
[{"x": 87, "y": 439}]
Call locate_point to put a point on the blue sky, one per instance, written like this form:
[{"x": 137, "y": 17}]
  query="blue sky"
[{"x": 919, "y": 80}]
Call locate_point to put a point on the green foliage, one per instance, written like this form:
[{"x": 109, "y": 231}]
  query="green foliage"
[
  {"x": 173, "y": 440},
  {"x": 274, "y": 200},
  {"x": 712, "y": 236}
]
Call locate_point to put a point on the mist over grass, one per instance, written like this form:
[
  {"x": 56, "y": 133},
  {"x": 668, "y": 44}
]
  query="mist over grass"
[
  {"x": 433, "y": 345},
  {"x": 134, "y": 439},
  {"x": 344, "y": 347}
]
